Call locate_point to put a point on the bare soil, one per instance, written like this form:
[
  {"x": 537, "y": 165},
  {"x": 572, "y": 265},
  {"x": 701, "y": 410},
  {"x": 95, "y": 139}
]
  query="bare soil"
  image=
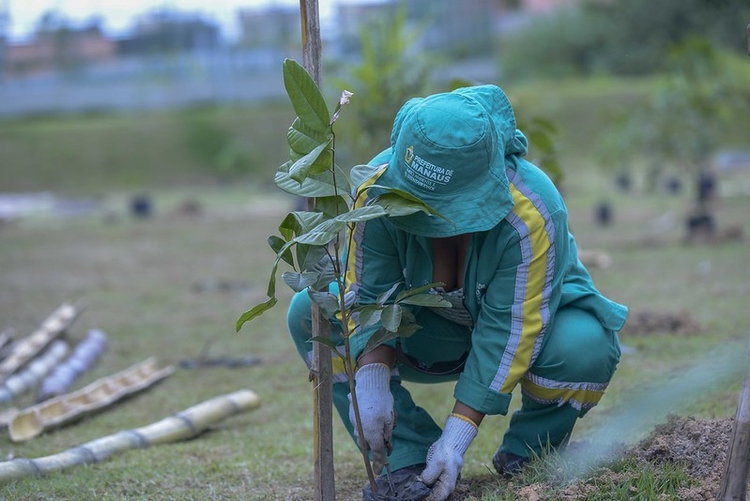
[{"x": 699, "y": 446}]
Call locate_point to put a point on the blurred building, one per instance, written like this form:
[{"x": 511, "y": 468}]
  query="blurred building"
[
  {"x": 175, "y": 58},
  {"x": 63, "y": 50},
  {"x": 167, "y": 30},
  {"x": 276, "y": 26}
]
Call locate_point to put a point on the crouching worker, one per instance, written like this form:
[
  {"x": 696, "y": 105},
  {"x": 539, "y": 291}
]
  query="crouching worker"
[{"x": 525, "y": 310}]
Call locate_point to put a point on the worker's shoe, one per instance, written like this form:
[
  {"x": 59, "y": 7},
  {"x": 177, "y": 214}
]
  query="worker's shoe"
[
  {"x": 508, "y": 464},
  {"x": 406, "y": 486}
]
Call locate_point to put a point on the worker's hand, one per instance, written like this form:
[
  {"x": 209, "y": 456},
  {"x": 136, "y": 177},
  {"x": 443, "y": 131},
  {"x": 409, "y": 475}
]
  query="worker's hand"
[
  {"x": 373, "y": 386},
  {"x": 446, "y": 457}
]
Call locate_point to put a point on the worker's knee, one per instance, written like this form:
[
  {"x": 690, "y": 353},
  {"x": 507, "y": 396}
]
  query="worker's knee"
[
  {"x": 299, "y": 321},
  {"x": 579, "y": 348}
]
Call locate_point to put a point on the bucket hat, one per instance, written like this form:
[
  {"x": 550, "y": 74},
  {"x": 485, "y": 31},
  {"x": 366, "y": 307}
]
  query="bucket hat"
[{"x": 449, "y": 150}]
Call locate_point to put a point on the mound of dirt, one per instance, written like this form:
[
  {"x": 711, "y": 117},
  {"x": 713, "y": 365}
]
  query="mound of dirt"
[
  {"x": 660, "y": 322},
  {"x": 699, "y": 446}
]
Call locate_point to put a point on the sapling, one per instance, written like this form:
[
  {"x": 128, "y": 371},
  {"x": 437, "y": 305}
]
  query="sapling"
[{"x": 310, "y": 242}]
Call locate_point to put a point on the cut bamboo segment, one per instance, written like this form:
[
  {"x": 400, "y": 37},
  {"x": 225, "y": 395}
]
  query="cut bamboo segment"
[
  {"x": 29, "y": 347},
  {"x": 186, "y": 424},
  {"x": 57, "y": 411},
  {"x": 83, "y": 358},
  {"x": 25, "y": 380}
]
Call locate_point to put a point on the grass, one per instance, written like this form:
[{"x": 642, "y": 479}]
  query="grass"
[
  {"x": 149, "y": 285},
  {"x": 90, "y": 154},
  {"x": 153, "y": 287}
]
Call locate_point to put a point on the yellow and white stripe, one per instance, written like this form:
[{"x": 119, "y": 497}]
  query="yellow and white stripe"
[{"x": 530, "y": 313}]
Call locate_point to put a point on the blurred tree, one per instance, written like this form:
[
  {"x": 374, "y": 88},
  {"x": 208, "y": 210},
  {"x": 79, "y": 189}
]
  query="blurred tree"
[
  {"x": 390, "y": 73},
  {"x": 625, "y": 37},
  {"x": 214, "y": 144},
  {"x": 683, "y": 122},
  {"x": 55, "y": 28}
]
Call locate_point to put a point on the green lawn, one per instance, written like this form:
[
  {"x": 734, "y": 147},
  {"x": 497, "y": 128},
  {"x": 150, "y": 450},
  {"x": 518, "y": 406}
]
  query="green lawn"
[{"x": 151, "y": 286}]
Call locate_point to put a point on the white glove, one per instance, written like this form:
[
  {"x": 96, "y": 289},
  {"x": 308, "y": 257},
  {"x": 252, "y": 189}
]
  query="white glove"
[
  {"x": 446, "y": 457},
  {"x": 373, "y": 386}
]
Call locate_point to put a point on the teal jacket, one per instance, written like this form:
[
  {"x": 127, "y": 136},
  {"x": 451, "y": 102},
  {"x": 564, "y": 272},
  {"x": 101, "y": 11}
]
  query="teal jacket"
[{"x": 517, "y": 275}]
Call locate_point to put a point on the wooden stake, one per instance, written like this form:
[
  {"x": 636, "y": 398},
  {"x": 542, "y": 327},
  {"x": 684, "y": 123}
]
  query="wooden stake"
[
  {"x": 322, "y": 370},
  {"x": 734, "y": 483}
]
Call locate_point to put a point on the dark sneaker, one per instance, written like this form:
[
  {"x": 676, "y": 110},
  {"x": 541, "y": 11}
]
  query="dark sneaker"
[
  {"x": 508, "y": 464},
  {"x": 406, "y": 486}
]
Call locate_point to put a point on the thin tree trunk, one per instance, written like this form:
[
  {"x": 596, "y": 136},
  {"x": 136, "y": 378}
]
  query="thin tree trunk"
[{"x": 322, "y": 365}]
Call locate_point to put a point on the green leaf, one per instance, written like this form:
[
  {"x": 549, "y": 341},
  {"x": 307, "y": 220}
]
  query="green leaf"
[
  {"x": 323, "y": 233},
  {"x": 308, "y": 164},
  {"x": 369, "y": 315},
  {"x": 271, "y": 291},
  {"x": 327, "y": 302},
  {"x": 362, "y": 173},
  {"x": 300, "y": 222},
  {"x": 254, "y": 312},
  {"x": 299, "y": 281},
  {"x": 302, "y": 140},
  {"x": 418, "y": 290},
  {"x": 381, "y": 336},
  {"x": 302, "y": 251},
  {"x": 325, "y": 271},
  {"x": 391, "y": 317},
  {"x": 384, "y": 296},
  {"x": 319, "y": 185},
  {"x": 313, "y": 257},
  {"x": 407, "y": 330},
  {"x": 305, "y": 96},
  {"x": 362, "y": 214},
  {"x": 277, "y": 244},
  {"x": 430, "y": 300},
  {"x": 398, "y": 202},
  {"x": 329, "y": 343},
  {"x": 407, "y": 317},
  {"x": 332, "y": 206}
]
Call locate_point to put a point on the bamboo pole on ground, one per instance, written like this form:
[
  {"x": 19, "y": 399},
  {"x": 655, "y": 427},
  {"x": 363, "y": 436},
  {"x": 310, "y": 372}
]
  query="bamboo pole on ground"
[
  {"x": 23, "y": 381},
  {"x": 322, "y": 371},
  {"x": 102, "y": 393},
  {"x": 84, "y": 357},
  {"x": 29, "y": 347},
  {"x": 184, "y": 425}
]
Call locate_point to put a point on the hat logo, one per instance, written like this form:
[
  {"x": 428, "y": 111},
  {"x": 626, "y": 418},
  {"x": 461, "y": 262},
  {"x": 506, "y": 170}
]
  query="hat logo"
[
  {"x": 423, "y": 173},
  {"x": 409, "y": 154}
]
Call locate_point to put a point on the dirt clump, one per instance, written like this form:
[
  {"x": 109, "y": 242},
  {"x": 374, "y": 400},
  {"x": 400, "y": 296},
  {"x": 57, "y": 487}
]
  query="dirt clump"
[
  {"x": 699, "y": 445},
  {"x": 661, "y": 322}
]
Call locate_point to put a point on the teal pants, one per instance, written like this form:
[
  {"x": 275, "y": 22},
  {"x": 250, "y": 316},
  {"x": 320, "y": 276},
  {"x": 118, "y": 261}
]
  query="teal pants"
[{"x": 577, "y": 350}]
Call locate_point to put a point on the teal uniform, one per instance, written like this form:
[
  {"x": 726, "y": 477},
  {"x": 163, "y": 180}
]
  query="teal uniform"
[{"x": 534, "y": 317}]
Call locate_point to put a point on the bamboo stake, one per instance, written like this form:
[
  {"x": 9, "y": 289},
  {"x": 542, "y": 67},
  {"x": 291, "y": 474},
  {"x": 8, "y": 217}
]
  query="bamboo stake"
[
  {"x": 734, "y": 483},
  {"x": 184, "y": 425},
  {"x": 31, "y": 346},
  {"x": 322, "y": 366}
]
